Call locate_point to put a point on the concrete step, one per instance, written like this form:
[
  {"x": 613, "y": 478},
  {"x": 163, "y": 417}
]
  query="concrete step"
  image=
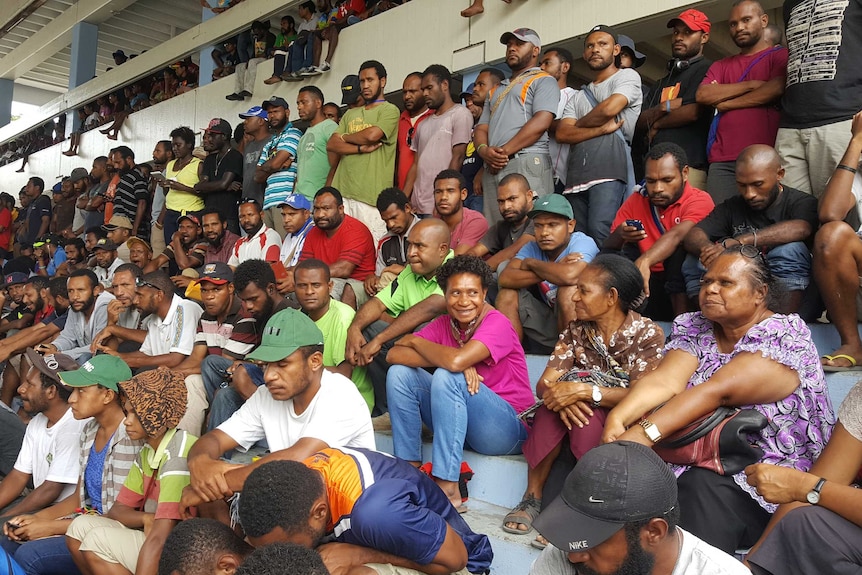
[{"x": 513, "y": 554}]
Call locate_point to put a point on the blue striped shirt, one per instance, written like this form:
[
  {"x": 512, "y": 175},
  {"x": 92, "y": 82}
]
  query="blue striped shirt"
[{"x": 279, "y": 184}]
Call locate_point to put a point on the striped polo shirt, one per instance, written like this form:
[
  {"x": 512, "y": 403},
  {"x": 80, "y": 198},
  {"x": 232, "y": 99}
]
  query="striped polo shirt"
[{"x": 279, "y": 184}]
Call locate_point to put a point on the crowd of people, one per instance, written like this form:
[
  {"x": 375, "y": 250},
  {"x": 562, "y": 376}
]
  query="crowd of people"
[{"x": 289, "y": 292}]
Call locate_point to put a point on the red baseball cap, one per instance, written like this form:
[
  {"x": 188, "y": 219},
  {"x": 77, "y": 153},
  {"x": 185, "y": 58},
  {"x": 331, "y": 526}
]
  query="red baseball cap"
[{"x": 694, "y": 19}]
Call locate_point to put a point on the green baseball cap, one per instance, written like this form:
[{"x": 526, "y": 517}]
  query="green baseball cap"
[
  {"x": 285, "y": 332},
  {"x": 105, "y": 370},
  {"x": 552, "y": 204}
]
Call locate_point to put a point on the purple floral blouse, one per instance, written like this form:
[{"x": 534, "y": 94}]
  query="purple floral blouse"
[{"x": 801, "y": 423}]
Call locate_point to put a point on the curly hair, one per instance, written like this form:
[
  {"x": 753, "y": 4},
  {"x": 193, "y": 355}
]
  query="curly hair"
[
  {"x": 279, "y": 494},
  {"x": 465, "y": 264},
  {"x": 257, "y": 272},
  {"x": 195, "y": 544},
  {"x": 283, "y": 559}
]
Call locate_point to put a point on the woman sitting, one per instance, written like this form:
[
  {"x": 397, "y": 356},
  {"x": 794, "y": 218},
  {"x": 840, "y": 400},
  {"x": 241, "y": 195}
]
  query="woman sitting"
[
  {"x": 735, "y": 352},
  {"x": 477, "y": 389},
  {"x": 815, "y": 533},
  {"x": 608, "y": 336}
]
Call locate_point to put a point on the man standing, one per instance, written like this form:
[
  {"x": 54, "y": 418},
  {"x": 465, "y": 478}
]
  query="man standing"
[
  {"x": 277, "y": 164},
  {"x": 512, "y": 133},
  {"x": 38, "y": 211},
  {"x": 661, "y": 217},
  {"x": 821, "y": 94},
  {"x": 745, "y": 90},
  {"x": 313, "y": 292},
  {"x": 415, "y": 112},
  {"x": 473, "y": 168},
  {"x": 313, "y": 167},
  {"x": 220, "y": 239},
  {"x": 162, "y": 154},
  {"x": 260, "y": 241},
  {"x": 777, "y": 220},
  {"x": 557, "y": 62},
  {"x": 672, "y": 113},
  {"x": 131, "y": 195},
  {"x": 515, "y": 230},
  {"x": 441, "y": 144},
  {"x": 365, "y": 144},
  {"x": 466, "y": 227},
  {"x": 600, "y": 166},
  {"x": 256, "y": 127},
  {"x": 221, "y": 172}
]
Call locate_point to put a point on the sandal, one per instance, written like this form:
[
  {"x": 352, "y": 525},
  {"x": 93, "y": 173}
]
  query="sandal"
[
  {"x": 529, "y": 506},
  {"x": 539, "y": 542}
]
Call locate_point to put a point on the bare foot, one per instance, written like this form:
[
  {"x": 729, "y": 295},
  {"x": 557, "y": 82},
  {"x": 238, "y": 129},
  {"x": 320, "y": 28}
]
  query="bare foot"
[
  {"x": 70, "y": 153},
  {"x": 450, "y": 488},
  {"x": 475, "y": 8},
  {"x": 112, "y": 136},
  {"x": 105, "y": 131}
]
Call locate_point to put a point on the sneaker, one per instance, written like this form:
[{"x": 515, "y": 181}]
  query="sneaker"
[
  {"x": 381, "y": 422},
  {"x": 233, "y": 97},
  {"x": 325, "y": 67},
  {"x": 306, "y": 71},
  {"x": 292, "y": 77}
]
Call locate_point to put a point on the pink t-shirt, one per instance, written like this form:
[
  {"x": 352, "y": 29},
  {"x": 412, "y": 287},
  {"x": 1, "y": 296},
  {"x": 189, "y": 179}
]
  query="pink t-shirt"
[
  {"x": 738, "y": 129},
  {"x": 470, "y": 230},
  {"x": 505, "y": 370}
]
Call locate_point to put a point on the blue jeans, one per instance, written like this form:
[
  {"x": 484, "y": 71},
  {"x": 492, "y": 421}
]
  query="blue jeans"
[
  {"x": 48, "y": 556},
  {"x": 223, "y": 399},
  {"x": 483, "y": 422},
  {"x": 301, "y": 55},
  {"x": 790, "y": 265},
  {"x": 596, "y": 208}
]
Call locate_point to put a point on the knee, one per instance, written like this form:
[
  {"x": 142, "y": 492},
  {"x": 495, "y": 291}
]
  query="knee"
[
  {"x": 399, "y": 378},
  {"x": 507, "y": 299},
  {"x": 447, "y": 381},
  {"x": 832, "y": 241}
]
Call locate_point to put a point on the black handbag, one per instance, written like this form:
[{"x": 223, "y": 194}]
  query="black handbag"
[{"x": 718, "y": 441}]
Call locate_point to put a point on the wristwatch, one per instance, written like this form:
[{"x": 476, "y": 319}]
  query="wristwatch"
[
  {"x": 651, "y": 430},
  {"x": 813, "y": 496},
  {"x": 597, "y": 396}
]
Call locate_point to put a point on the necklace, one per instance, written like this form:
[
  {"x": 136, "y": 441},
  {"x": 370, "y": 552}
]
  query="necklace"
[{"x": 463, "y": 336}]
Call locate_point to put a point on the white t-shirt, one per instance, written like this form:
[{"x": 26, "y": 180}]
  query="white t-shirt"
[
  {"x": 337, "y": 415},
  {"x": 695, "y": 558},
  {"x": 560, "y": 152},
  {"x": 174, "y": 334},
  {"x": 52, "y": 453},
  {"x": 856, "y": 188}
]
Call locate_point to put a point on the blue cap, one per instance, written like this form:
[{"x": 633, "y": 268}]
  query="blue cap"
[
  {"x": 297, "y": 202},
  {"x": 468, "y": 91},
  {"x": 255, "y": 112},
  {"x": 15, "y": 278}
]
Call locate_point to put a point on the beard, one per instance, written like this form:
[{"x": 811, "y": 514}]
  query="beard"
[{"x": 637, "y": 561}]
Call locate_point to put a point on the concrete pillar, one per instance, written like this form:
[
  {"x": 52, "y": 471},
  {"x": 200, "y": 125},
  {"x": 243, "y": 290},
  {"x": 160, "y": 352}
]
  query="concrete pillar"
[
  {"x": 205, "y": 76},
  {"x": 6, "y": 86},
  {"x": 85, "y": 42}
]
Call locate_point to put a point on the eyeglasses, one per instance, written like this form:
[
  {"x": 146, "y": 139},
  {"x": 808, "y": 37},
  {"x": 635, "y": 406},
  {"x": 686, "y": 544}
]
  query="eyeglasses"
[
  {"x": 410, "y": 135},
  {"x": 747, "y": 250},
  {"x": 140, "y": 283},
  {"x": 247, "y": 200}
]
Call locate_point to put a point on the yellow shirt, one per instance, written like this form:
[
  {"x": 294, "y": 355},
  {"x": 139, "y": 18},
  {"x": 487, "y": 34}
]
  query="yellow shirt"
[{"x": 183, "y": 201}]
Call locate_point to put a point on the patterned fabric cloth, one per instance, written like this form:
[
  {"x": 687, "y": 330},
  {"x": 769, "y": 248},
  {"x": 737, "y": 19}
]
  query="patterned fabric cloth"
[
  {"x": 119, "y": 459},
  {"x": 636, "y": 347},
  {"x": 801, "y": 423},
  {"x": 158, "y": 397}
]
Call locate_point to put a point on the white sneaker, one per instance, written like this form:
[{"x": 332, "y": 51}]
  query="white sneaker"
[
  {"x": 307, "y": 71},
  {"x": 325, "y": 67}
]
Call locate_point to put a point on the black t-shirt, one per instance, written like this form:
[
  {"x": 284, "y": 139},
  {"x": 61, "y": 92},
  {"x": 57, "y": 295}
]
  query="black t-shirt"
[
  {"x": 214, "y": 169},
  {"x": 471, "y": 166},
  {"x": 131, "y": 189},
  {"x": 734, "y": 217},
  {"x": 41, "y": 206},
  {"x": 692, "y": 137},
  {"x": 250, "y": 188},
  {"x": 824, "y": 80}
]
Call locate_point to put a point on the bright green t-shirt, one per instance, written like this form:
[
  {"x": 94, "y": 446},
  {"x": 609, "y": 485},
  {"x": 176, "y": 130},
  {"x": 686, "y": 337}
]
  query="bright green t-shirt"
[
  {"x": 312, "y": 161},
  {"x": 334, "y": 326},
  {"x": 363, "y": 176},
  {"x": 408, "y": 289}
]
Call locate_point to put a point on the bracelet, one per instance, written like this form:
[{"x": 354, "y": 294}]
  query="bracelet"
[
  {"x": 342, "y": 137},
  {"x": 358, "y": 149},
  {"x": 480, "y": 146},
  {"x": 667, "y": 106},
  {"x": 845, "y": 167}
]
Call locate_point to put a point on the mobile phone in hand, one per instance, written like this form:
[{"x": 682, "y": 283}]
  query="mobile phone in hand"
[{"x": 637, "y": 224}]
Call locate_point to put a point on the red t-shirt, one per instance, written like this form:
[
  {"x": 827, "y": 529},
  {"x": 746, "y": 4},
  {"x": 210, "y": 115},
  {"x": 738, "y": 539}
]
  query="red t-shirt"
[
  {"x": 692, "y": 206},
  {"x": 738, "y": 129},
  {"x": 6, "y": 224},
  {"x": 404, "y": 154},
  {"x": 352, "y": 242}
]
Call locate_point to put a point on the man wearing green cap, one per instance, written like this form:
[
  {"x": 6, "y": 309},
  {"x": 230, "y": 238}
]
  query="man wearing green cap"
[
  {"x": 301, "y": 409},
  {"x": 528, "y": 285}
]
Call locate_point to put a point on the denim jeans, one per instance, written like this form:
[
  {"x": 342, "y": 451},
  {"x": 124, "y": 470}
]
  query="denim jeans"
[
  {"x": 224, "y": 401},
  {"x": 596, "y": 208},
  {"x": 484, "y": 422},
  {"x": 48, "y": 556},
  {"x": 790, "y": 265},
  {"x": 301, "y": 55}
]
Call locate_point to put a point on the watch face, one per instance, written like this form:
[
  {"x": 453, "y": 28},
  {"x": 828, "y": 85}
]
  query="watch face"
[{"x": 813, "y": 497}]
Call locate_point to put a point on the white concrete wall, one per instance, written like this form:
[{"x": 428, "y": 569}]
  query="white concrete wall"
[{"x": 407, "y": 38}]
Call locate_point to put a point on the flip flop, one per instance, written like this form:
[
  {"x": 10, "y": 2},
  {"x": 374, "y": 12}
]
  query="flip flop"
[
  {"x": 529, "y": 505},
  {"x": 838, "y": 368},
  {"x": 537, "y": 544}
]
